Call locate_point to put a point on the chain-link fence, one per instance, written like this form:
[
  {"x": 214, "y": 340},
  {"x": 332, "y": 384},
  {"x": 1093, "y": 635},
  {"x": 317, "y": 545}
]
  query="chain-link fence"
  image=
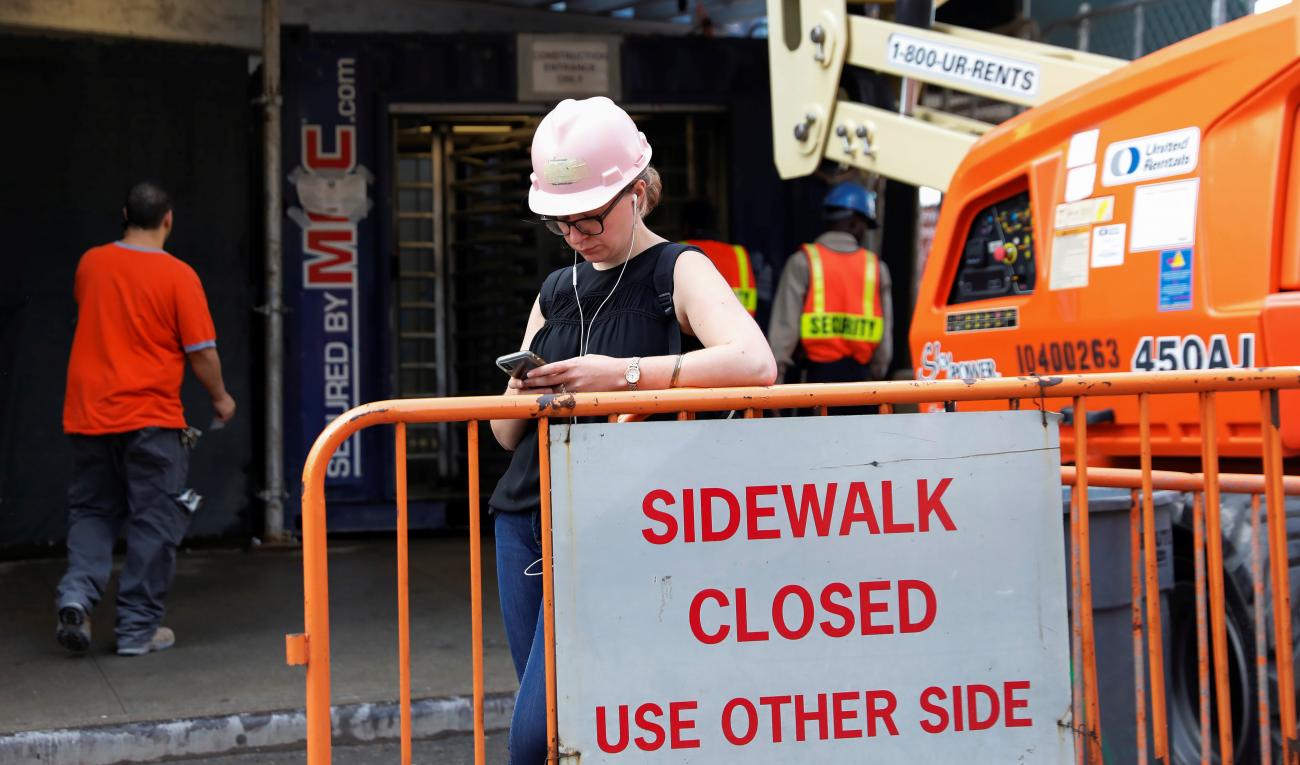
[{"x": 1135, "y": 28}]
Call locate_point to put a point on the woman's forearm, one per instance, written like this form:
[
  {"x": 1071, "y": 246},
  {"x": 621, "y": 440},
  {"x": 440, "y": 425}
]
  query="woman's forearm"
[{"x": 722, "y": 366}]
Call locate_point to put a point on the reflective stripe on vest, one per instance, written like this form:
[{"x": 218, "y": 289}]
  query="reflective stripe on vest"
[
  {"x": 852, "y": 325},
  {"x": 745, "y": 289},
  {"x": 732, "y": 261}
]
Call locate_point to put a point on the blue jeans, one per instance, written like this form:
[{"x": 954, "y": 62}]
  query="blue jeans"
[{"x": 519, "y": 550}]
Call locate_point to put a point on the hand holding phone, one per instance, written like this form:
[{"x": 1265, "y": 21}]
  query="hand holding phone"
[{"x": 519, "y": 363}]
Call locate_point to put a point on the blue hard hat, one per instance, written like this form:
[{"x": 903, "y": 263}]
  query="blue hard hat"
[{"x": 852, "y": 196}]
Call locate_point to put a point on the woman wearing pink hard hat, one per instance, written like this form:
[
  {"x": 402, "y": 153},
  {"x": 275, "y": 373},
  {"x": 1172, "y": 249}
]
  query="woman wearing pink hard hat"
[{"x": 603, "y": 326}]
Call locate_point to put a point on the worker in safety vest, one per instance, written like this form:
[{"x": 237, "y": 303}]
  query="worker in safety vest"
[
  {"x": 732, "y": 260},
  {"x": 833, "y": 303}
]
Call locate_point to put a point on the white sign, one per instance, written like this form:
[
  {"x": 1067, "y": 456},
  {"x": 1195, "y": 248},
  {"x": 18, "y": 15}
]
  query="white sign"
[
  {"x": 985, "y": 71},
  {"x": 830, "y": 590},
  {"x": 1152, "y": 156},
  {"x": 1070, "y": 260},
  {"x": 554, "y": 67},
  {"x": 1083, "y": 148},
  {"x": 1084, "y": 212},
  {"x": 1079, "y": 182},
  {"x": 1108, "y": 246},
  {"x": 1164, "y": 215}
]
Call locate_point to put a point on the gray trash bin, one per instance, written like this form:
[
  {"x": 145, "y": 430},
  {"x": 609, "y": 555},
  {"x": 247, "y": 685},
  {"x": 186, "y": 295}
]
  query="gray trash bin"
[{"x": 1112, "y": 599}]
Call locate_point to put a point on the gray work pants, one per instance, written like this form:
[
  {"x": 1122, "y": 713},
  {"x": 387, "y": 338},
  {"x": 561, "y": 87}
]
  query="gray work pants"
[{"x": 126, "y": 482}]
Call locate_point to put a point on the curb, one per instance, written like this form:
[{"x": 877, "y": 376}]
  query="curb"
[{"x": 228, "y": 734}]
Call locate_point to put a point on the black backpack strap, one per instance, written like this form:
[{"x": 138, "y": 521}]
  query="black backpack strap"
[
  {"x": 664, "y": 291},
  {"x": 550, "y": 289}
]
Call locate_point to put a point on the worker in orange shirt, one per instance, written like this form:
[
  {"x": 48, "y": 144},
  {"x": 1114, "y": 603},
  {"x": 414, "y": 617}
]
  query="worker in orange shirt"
[
  {"x": 141, "y": 315},
  {"x": 732, "y": 260},
  {"x": 832, "y": 308}
]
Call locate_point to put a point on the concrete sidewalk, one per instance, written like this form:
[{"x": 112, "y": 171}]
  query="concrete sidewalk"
[{"x": 230, "y": 611}]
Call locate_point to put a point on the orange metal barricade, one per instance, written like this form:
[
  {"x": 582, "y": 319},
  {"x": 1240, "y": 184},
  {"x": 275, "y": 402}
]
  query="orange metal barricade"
[{"x": 311, "y": 648}]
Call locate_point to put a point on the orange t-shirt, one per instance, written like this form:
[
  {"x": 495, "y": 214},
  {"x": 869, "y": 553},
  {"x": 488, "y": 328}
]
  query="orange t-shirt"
[{"x": 139, "y": 312}]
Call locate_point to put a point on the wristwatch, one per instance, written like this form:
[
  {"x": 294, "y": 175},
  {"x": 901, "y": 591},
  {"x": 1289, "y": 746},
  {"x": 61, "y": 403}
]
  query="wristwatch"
[{"x": 633, "y": 373}]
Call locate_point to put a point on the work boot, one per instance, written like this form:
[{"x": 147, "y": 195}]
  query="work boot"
[
  {"x": 74, "y": 628},
  {"x": 163, "y": 638}
]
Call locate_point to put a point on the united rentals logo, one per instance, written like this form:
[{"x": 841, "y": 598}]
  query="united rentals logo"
[
  {"x": 1154, "y": 156},
  {"x": 332, "y": 190}
]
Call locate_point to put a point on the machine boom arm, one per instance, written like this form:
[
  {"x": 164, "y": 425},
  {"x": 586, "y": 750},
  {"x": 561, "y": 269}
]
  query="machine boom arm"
[{"x": 809, "y": 43}]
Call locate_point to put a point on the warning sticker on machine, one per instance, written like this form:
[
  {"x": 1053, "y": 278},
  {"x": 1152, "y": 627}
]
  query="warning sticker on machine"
[
  {"x": 1164, "y": 215},
  {"x": 1108, "y": 246},
  {"x": 1085, "y": 212},
  {"x": 1176, "y": 280},
  {"x": 985, "y": 71},
  {"x": 1070, "y": 261}
]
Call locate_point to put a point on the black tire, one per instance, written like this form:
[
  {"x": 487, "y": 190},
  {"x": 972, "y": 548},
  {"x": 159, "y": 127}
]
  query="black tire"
[{"x": 1182, "y": 681}]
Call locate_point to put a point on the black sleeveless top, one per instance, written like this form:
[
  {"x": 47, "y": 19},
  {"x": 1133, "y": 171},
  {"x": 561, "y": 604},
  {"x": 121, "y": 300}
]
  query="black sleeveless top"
[{"x": 630, "y": 324}]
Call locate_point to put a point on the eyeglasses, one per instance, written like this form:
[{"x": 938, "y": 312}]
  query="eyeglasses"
[{"x": 592, "y": 226}]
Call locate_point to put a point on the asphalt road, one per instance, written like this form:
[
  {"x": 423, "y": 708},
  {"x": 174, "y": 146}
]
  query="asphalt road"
[{"x": 447, "y": 750}]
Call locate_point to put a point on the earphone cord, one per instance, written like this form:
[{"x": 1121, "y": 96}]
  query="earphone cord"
[{"x": 584, "y": 332}]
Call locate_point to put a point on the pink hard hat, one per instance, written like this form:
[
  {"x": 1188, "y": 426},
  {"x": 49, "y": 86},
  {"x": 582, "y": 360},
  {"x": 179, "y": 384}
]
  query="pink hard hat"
[{"x": 584, "y": 153}]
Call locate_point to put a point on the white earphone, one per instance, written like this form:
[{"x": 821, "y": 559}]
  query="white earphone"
[{"x": 584, "y": 331}]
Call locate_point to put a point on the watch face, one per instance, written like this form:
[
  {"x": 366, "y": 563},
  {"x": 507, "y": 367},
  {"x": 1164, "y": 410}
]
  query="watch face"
[{"x": 633, "y": 374}]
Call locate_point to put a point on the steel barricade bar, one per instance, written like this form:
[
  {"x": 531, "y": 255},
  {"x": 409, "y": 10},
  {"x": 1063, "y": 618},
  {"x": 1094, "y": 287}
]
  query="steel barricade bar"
[
  {"x": 1076, "y": 632},
  {"x": 1214, "y": 540},
  {"x": 476, "y": 589},
  {"x": 1155, "y": 630},
  {"x": 1202, "y": 625},
  {"x": 801, "y": 396},
  {"x": 1135, "y": 592},
  {"x": 1086, "y": 673},
  {"x": 1270, "y": 417},
  {"x": 403, "y": 597},
  {"x": 1261, "y": 638},
  {"x": 312, "y": 647},
  {"x": 1123, "y": 478},
  {"x": 548, "y": 590}
]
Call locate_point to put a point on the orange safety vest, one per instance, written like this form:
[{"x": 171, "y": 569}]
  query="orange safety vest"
[
  {"x": 841, "y": 312},
  {"x": 732, "y": 261}
]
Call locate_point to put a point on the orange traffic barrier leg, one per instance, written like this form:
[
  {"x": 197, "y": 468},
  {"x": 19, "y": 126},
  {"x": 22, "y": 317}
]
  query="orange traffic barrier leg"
[
  {"x": 548, "y": 591},
  {"x": 1214, "y": 554},
  {"x": 1202, "y": 628},
  {"x": 316, "y": 618},
  {"x": 476, "y": 591},
  {"x": 1135, "y": 582},
  {"x": 1261, "y": 637},
  {"x": 403, "y": 599},
  {"x": 1155, "y": 629},
  {"x": 1091, "y": 700},
  {"x": 1270, "y": 416},
  {"x": 886, "y": 408}
]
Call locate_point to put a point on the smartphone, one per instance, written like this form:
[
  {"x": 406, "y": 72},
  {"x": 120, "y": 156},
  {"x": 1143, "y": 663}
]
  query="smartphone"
[{"x": 518, "y": 364}]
